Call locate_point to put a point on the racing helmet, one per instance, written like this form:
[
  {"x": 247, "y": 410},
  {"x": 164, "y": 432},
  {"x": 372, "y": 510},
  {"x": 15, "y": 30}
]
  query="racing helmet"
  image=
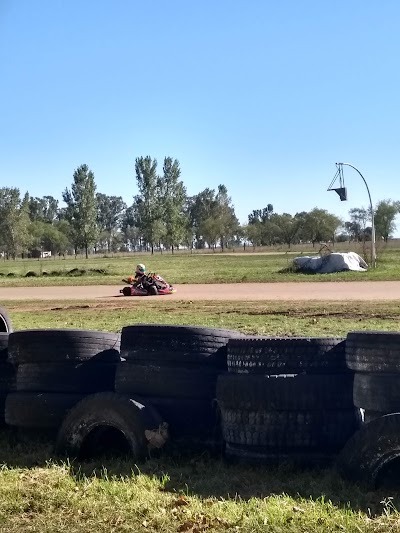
[{"x": 140, "y": 269}]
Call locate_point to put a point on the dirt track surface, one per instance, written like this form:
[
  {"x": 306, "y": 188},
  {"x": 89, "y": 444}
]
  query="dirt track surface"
[{"x": 379, "y": 290}]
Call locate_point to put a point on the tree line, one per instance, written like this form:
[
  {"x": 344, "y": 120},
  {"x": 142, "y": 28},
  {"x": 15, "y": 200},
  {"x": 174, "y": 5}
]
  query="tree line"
[{"x": 163, "y": 217}]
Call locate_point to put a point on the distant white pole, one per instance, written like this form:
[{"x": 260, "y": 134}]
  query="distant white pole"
[{"x": 373, "y": 254}]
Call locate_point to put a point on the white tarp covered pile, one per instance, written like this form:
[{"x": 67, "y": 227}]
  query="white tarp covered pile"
[{"x": 334, "y": 262}]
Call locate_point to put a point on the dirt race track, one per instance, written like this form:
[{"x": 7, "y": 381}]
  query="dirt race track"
[{"x": 342, "y": 291}]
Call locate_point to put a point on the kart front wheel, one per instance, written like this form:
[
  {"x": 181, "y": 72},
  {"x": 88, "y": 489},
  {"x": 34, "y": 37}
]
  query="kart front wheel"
[{"x": 153, "y": 291}]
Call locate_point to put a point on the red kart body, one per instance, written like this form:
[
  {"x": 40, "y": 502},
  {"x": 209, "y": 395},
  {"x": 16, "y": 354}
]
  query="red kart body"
[{"x": 154, "y": 285}]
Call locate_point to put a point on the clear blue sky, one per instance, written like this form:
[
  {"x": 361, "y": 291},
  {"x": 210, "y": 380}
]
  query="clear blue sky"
[{"x": 262, "y": 96}]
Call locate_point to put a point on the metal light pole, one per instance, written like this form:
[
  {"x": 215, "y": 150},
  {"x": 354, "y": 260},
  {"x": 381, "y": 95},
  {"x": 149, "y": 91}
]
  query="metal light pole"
[{"x": 373, "y": 254}]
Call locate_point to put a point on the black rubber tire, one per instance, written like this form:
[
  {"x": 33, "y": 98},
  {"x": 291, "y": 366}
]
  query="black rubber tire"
[
  {"x": 188, "y": 417},
  {"x": 261, "y": 455},
  {"x": 285, "y": 392},
  {"x": 371, "y": 415},
  {"x": 4, "y": 346},
  {"x": 284, "y": 431},
  {"x": 181, "y": 344},
  {"x": 5, "y": 321},
  {"x": 38, "y": 410},
  {"x": 373, "y": 351},
  {"x": 152, "y": 290},
  {"x": 7, "y": 377},
  {"x": 377, "y": 392},
  {"x": 165, "y": 381},
  {"x": 58, "y": 345},
  {"x": 370, "y": 450},
  {"x": 82, "y": 378},
  {"x": 285, "y": 355},
  {"x": 107, "y": 410}
]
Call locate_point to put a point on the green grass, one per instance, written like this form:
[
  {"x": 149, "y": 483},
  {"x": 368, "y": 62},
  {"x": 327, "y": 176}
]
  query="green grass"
[
  {"x": 185, "y": 268},
  {"x": 258, "y": 318},
  {"x": 187, "y": 492},
  {"x": 190, "y": 493}
]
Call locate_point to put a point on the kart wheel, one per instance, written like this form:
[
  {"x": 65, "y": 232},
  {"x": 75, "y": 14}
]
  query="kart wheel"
[{"x": 153, "y": 291}]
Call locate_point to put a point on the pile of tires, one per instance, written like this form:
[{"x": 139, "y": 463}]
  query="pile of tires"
[
  {"x": 55, "y": 369},
  {"x": 5, "y": 321},
  {"x": 286, "y": 399},
  {"x": 374, "y": 356},
  {"x": 372, "y": 454},
  {"x": 175, "y": 369}
]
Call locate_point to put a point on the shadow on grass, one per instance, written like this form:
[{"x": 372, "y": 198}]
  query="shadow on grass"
[{"x": 206, "y": 474}]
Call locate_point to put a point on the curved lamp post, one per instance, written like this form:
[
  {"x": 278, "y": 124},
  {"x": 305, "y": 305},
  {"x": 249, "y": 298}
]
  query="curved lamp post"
[{"x": 373, "y": 254}]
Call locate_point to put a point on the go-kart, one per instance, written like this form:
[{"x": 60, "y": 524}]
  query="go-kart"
[{"x": 152, "y": 285}]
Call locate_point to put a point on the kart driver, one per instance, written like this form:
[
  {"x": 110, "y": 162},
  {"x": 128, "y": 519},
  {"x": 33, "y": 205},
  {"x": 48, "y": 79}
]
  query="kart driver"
[{"x": 140, "y": 275}]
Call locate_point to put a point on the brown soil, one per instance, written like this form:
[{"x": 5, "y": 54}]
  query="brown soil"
[{"x": 339, "y": 291}]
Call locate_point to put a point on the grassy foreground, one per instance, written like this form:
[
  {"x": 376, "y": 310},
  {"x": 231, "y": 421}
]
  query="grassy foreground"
[{"x": 187, "y": 493}]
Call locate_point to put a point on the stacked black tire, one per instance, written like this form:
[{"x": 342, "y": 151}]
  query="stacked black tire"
[
  {"x": 7, "y": 369},
  {"x": 56, "y": 368},
  {"x": 375, "y": 358},
  {"x": 286, "y": 399},
  {"x": 373, "y": 452},
  {"x": 175, "y": 369}
]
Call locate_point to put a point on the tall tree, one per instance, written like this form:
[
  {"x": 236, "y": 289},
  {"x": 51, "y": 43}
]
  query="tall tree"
[
  {"x": 81, "y": 209},
  {"x": 147, "y": 202},
  {"x": 224, "y": 213},
  {"x": 261, "y": 215},
  {"x": 385, "y": 214},
  {"x": 173, "y": 199},
  {"x": 199, "y": 208},
  {"x": 109, "y": 212},
  {"x": 14, "y": 221}
]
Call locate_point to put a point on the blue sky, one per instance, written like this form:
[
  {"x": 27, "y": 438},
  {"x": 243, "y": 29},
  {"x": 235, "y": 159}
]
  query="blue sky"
[{"x": 261, "y": 96}]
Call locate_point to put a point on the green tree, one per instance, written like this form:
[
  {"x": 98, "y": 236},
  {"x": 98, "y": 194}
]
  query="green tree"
[
  {"x": 14, "y": 221},
  {"x": 173, "y": 199},
  {"x": 109, "y": 212},
  {"x": 318, "y": 225},
  {"x": 43, "y": 209},
  {"x": 385, "y": 214},
  {"x": 199, "y": 209},
  {"x": 288, "y": 227},
  {"x": 147, "y": 202},
  {"x": 81, "y": 211}
]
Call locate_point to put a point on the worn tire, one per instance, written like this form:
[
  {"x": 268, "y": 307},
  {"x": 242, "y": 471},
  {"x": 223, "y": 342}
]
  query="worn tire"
[
  {"x": 285, "y": 392},
  {"x": 82, "y": 378},
  {"x": 4, "y": 346},
  {"x": 5, "y": 321},
  {"x": 61, "y": 345},
  {"x": 373, "y": 351},
  {"x": 188, "y": 417},
  {"x": 98, "y": 412},
  {"x": 377, "y": 392},
  {"x": 368, "y": 453},
  {"x": 38, "y": 410},
  {"x": 284, "y": 431},
  {"x": 370, "y": 415},
  {"x": 285, "y": 355},
  {"x": 261, "y": 455},
  {"x": 179, "y": 344},
  {"x": 170, "y": 381}
]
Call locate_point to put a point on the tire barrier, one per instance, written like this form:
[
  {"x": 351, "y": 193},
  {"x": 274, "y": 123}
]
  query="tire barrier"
[
  {"x": 286, "y": 399},
  {"x": 56, "y": 368},
  {"x": 106, "y": 421},
  {"x": 375, "y": 358},
  {"x": 5, "y": 321},
  {"x": 7, "y": 375},
  {"x": 176, "y": 369},
  {"x": 285, "y": 355},
  {"x": 366, "y": 457}
]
